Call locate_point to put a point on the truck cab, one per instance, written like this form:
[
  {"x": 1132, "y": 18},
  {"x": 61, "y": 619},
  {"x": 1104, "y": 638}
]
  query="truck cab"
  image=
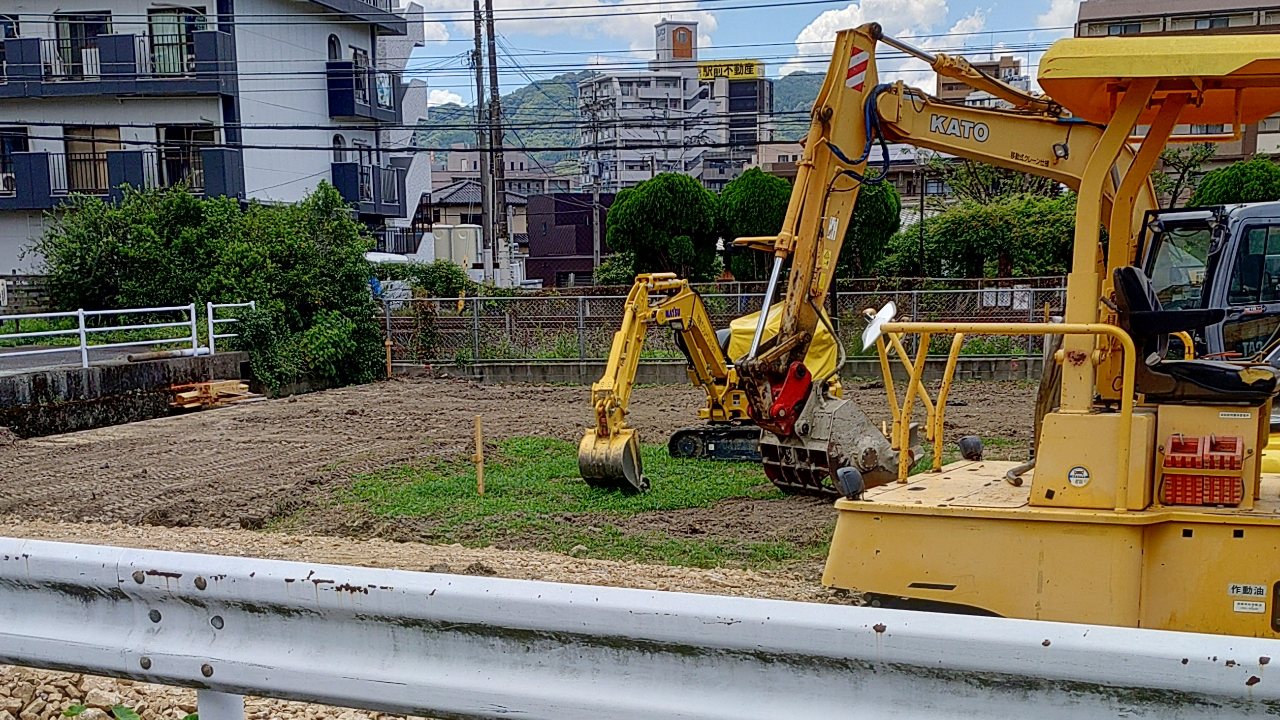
[{"x": 1219, "y": 257}]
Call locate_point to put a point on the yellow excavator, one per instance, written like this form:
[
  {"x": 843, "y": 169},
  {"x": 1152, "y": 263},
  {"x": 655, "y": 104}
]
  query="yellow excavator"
[
  {"x": 811, "y": 432},
  {"x": 1147, "y": 505}
]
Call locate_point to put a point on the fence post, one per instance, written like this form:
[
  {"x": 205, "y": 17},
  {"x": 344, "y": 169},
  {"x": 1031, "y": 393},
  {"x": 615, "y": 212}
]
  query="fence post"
[
  {"x": 195, "y": 328},
  {"x": 219, "y": 706},
  {"x": 582, "y": 328},
  {"x": 84, "y": 339},
  {"x": 213, "y": 345},
  {"x": 475, "y": 330}
]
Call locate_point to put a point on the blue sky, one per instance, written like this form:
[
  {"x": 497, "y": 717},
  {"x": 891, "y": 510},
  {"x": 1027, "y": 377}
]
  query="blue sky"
[{"x": 612, "y": 34}]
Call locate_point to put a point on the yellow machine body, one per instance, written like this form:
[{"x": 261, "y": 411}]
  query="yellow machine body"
[{"x": 1143, "y": 509}]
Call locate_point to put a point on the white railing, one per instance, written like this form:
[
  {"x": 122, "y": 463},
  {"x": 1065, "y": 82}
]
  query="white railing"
[
  {"x": 84, "y": 333},
  {"x": 214, "y": 321},
  {"x": 455, "y": 646}
]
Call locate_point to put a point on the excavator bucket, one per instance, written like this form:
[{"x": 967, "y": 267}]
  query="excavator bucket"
[{"x": 612, "y": 462}]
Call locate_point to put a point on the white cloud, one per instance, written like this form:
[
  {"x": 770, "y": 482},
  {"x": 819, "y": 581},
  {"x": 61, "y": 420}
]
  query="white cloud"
[
  {"x": 435, "y": 31},
  {"x": 1059, "y": 14},
  {"x": 613, "y": 19},
  {"x": 443, "y": 97},
  {"x": 916, "y": 20}
]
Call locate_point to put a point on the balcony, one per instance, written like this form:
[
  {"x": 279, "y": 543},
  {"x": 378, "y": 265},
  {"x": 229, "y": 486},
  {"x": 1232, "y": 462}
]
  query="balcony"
[
  {"x": 401, "y": 241},
  {"x": 374, "y": 191},
  {"x": 118, "y": 65},
  {"x": 378, "y": 13},
  {"x": 42, "y": 181},
  {"x": 361, "y": 93}
]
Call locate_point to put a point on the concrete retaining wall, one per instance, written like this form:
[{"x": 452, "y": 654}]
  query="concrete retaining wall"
[
  {"x": 673, "y": 372},
  {"x": 61, "y": 400}
]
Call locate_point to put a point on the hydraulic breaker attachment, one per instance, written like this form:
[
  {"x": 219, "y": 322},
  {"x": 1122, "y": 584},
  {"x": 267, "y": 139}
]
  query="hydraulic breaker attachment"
[{"x": 612, "y": 461}]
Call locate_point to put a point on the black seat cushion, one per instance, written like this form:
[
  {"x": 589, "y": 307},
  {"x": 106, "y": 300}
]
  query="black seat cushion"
[{"x": 1182, "y": 381}]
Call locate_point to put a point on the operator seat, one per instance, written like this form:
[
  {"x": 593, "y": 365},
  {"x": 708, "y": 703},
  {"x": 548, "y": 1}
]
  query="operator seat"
[{"x": 1185, "y": 382}]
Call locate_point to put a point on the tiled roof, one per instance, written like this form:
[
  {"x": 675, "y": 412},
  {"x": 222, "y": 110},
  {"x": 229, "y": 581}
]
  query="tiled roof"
[{"x": 467, "y": 192}]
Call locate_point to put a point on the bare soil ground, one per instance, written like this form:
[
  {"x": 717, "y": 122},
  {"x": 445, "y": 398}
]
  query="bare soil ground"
[{"x": 245, "y": 465}]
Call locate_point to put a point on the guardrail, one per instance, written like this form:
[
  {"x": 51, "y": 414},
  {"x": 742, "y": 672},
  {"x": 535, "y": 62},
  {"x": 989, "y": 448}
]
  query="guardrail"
[
  {"x": 470, "y": 647},
  {"x": 83, "y": 332}
]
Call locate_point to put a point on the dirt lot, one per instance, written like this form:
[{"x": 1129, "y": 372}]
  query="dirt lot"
[{"x": 244, "y": 465}]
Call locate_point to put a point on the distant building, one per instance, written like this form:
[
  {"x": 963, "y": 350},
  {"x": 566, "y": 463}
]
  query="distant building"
[
  {"x": 1007, "y": 68},
  {"x": 460, "y": 204},
  {"x": 1103, "y": 18},
  {"x": 703, "y": 119},
  {"x": 561, "y": 240},
  {"x": 524, "y": 174}
]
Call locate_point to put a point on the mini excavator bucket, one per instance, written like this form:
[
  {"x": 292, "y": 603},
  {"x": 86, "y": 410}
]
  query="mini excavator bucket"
[{"x": 612, "y": 462}]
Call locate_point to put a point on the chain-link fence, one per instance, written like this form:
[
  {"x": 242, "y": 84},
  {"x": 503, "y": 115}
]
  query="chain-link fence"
[{"x": 581, "y": 327}]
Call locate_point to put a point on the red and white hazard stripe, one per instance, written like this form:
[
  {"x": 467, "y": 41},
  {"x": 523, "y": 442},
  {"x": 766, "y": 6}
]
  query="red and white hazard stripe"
[{"x": 858, "y": 63}]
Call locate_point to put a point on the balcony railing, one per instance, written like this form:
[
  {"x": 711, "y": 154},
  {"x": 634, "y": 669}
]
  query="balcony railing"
[
  {"x": 71, "y": 59},
  {"x": 366, "y": 183},
  {"x": 401, "y": 241},
  {"x": 174, "y": 166},
  {"x": 166, "y": 56},
  {"x": 78, "y": 173},
  {"x": 359, "y": 92},
  {"x": 390, "y": 178},
  {"x": 384, "y": 5}
]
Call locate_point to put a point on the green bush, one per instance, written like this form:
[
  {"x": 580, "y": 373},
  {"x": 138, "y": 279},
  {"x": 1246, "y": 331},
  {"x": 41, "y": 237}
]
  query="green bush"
[
  {"x": 1255, "y": 180},
  {"x": 304, "y": 265}
]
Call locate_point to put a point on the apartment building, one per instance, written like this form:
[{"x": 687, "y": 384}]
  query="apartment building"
[
  {"x": 97, "y": 95},
  {"x": 1102, "y": 18},
  {"x": 700, "y": 118},
  {"x": 1007, "y": 68},
  {"x": 523, "y": 175}
]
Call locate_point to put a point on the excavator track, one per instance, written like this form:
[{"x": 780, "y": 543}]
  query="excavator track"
[{"x": 734, "y": 442}]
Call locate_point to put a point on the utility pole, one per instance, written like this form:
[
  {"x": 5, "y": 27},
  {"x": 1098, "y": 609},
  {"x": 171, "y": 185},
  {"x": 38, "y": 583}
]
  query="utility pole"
[
  {"x": 482, "y": 147},
  {"x": 592, "y": 108},
  {"x": 498, "y": 164}
]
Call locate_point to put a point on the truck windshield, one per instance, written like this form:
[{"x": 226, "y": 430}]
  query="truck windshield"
[{"x": 1179, "y": 268}]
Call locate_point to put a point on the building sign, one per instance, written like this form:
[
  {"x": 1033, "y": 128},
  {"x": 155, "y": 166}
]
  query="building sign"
[{"x": 732, "y": 69}]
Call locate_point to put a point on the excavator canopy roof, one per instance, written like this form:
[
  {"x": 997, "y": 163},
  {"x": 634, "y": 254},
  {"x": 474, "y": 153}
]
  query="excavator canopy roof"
[{"x": 1233, "y": 78}]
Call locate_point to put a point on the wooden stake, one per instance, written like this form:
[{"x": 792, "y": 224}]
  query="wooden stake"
[
  {"x": 479, "y": 458},
  {"x": 387, "y": 343}
]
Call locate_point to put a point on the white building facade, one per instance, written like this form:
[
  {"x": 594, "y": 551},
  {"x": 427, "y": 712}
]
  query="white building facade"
[
  {"x": 249, "y": 99},
  {"x": 671, "y": 117}
]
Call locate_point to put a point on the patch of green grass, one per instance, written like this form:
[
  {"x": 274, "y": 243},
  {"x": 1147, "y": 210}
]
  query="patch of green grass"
[
  {"x": 540, "y": 476},
  {"x": 534, "y": 498}
]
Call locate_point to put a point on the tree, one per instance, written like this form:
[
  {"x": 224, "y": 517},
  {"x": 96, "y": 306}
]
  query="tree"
[
  {"x": 1016, "y": 236},
  {"x": 303, "y": 264},
  {"x": 982, "y": 183},
  {"x": 752, "y": 205},
  {"x": 667, "y": 224},
  {"x": 1255, "y": 180},
  {"x": 1185, "y": 162},
  {"x": 877, "y": 215}
]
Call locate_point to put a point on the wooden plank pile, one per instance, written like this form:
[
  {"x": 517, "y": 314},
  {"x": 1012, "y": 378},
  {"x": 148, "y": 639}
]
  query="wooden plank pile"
[{"x": 205, "y": 395}]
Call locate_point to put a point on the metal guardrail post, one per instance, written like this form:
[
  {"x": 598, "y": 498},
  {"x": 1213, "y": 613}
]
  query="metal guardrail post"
[
  {"x": 219, "y": 706},
  {"x": 195, "y": 328},
  {"x": 84, "y": 339},
  {"x": 212, "y": 339},
  {"x": 475, "y": 329},
  {"x": 582, "y": 328}
]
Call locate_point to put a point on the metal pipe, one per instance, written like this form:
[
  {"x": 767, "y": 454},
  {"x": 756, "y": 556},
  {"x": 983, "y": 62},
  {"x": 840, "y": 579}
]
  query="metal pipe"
[
  {"x": 908, "y": 49},
  {"x": 764, "y": 311}
]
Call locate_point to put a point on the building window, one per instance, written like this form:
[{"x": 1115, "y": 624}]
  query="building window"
[
  {"x": 1211, "y": 23},
  {"x": 86, "y": 158},
  {"x": 12, "y": 140},
  {"x": 1208, "y": 129},
  {"x": 339, "y": 149},
  {"x": 1124, "y": 28},
  {"x": 360, "y": 58},
  {"x": 335, "y": 48},
  {"x": 1270, "y": 125},
  {"x": 180, "y": 160},
  {"x": 173, "y": 41},
  {"x": 77, "y": 45}
]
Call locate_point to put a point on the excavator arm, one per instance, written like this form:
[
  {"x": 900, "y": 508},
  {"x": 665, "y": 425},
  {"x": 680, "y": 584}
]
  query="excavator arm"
[{"x": 813, "y": 437}]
